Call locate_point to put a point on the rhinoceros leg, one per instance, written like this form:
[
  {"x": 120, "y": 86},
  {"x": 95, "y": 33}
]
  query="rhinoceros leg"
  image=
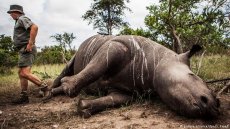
[
  {"x": 86, "y": 108},
  {"x": 67, "y": 71},
  {"x": 108, "y": 58},
  {"x": 55, "y": 88}
]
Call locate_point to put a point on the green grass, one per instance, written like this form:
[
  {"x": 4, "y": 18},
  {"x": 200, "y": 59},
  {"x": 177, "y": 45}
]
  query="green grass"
[{"x": 212, "y": 67}]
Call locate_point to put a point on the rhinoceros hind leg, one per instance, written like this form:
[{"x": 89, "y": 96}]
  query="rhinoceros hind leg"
[
  {"x": 86, "y": 108},
  {"x": 107, "y": 59}
]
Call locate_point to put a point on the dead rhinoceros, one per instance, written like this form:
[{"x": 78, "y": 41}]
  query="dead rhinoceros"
[{"x": 134, "y": 64}]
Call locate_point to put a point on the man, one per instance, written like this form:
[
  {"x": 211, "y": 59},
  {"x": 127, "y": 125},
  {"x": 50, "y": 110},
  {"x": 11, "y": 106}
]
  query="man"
[{"x": 25, "y": 32}]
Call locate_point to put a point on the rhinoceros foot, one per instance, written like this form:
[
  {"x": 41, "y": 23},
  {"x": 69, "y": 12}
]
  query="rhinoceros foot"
[{"x": 84, "y": 108}]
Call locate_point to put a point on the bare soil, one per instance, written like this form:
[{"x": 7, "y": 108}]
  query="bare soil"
[{"x": 60, "y": 113}]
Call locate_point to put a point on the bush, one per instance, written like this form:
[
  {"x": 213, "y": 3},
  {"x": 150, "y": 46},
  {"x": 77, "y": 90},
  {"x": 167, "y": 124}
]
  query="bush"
[
  {"x": 52, "y": 55},
  {"x": 8, "y": 55}
]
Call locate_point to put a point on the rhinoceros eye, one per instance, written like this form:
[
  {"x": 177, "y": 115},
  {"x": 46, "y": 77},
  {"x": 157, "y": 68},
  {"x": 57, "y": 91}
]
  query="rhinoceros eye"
[{"x": 191, "y": 74}]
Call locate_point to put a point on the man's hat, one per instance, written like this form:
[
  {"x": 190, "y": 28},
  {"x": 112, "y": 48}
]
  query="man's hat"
[{"x": 16, "y": 8}]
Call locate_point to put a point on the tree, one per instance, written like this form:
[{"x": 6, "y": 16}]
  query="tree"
[
  {"x": 106, "y": 15},
  {"x": 51, "y": 55},
  {"x": 8, "y": 54},
  {"x": 182, "y": 23},
  {"x": 64, "y": 40},
  {"x": 126, "y": 30}
]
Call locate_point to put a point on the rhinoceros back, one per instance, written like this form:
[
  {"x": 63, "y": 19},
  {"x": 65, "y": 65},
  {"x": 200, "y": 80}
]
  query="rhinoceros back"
[{"x": 87, "y": 50}]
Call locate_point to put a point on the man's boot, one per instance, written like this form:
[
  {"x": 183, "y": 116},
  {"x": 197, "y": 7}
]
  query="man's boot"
[{"x": 23, "y": 98}]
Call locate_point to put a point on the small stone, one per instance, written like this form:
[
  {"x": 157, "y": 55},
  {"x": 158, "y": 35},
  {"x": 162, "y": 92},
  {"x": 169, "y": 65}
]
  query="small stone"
[
  {"x": 55, "y": 126},
  {"x": 1, "y": 112}
]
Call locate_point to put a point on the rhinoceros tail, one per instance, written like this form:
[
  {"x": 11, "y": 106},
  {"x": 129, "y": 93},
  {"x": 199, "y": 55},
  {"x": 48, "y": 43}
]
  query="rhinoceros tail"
[{"x": 195, "y": 48}]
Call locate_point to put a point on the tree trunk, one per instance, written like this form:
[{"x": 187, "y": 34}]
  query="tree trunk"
[
  {"x": 177, "y": 46},
  {"x": 109, "y": 29}
]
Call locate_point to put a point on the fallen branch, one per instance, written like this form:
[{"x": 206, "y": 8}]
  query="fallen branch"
[
  {"x": 3, "y": 124},
  {"x": 223, "y": 89},
  {"x": 219, "y": 80}
]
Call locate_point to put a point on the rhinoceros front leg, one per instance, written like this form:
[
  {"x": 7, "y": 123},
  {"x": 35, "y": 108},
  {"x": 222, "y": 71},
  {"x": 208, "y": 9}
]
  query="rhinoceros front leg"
[
  {"x": 67, "y": 71},
  {"x": 86, "y": 108},
  {"x": 55, "y": 88},
  {"x": 109, "y": 56}
]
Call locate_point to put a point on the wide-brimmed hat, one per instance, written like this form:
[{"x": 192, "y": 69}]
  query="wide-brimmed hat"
[{"x": 16, "y": 8}]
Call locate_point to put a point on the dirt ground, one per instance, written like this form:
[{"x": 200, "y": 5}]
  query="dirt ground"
[{"x": 60, "y": 113}]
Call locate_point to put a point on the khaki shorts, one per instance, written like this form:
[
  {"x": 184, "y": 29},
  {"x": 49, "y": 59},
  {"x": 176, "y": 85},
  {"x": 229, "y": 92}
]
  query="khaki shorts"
[{"x": 26, "y": 58}]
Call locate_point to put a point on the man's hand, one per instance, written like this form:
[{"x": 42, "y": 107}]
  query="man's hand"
[
  {"x": 29, "y": 47},
  {"x": 33, "y": 34}
]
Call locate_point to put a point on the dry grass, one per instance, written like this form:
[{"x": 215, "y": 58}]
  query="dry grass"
[{"x": 212, "y": 67}]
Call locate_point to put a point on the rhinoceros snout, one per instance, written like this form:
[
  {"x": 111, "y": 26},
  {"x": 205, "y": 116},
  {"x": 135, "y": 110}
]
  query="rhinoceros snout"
[{"x": 208, "y": 106}]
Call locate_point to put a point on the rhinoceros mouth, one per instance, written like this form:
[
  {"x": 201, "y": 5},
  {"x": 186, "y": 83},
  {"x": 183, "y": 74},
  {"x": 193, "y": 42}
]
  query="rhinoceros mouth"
[{"x": 207, "y": 112}]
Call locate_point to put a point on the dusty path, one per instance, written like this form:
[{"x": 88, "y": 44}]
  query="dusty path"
[{"x": 60, "y": 113}]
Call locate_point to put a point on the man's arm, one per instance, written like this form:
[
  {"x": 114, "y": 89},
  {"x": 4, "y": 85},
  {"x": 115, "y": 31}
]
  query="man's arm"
[{"x": 33, "y": 34}]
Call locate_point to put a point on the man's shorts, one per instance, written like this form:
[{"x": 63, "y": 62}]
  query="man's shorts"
[{"x": 26, "y": 58}]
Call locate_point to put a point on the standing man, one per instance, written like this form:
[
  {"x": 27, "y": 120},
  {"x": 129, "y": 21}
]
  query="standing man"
[{"x": 25, "y": 32}]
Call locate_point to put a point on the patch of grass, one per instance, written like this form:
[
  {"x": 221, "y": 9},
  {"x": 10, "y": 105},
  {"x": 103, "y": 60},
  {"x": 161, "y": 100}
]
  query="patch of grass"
[
  {"x": 212, "y": 67},
  {"x": 10, "y": 85}
]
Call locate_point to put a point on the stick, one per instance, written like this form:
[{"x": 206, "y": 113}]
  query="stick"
[
  {"x": 219, "y": 80},
  {"x": 197, "y": 72},
  {"x": 223, "y": 89}
]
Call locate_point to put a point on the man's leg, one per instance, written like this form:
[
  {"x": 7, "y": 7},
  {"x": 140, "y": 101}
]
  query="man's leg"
[
  {"x": 23, "y": 82},
  {"x": 25, "y": 73},
  {"x": 23, "y": 98}
]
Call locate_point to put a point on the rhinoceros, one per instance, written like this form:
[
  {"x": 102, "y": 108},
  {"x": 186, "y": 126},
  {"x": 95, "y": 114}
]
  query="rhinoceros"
[{"x": 127, "y": 65}]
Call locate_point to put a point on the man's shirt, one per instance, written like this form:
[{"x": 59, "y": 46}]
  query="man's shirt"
[{"x": 22, "y": 31}]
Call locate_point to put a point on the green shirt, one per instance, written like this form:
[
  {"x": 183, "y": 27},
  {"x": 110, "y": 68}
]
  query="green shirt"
[{"x": 22, "y": 31}]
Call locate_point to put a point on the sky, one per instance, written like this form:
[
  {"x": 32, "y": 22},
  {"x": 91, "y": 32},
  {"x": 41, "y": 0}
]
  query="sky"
[{"x": 59, "y": 16}]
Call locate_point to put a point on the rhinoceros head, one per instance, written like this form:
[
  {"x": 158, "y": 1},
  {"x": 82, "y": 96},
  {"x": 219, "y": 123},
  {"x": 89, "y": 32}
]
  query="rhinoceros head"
[{"x": 182, "y": 90}]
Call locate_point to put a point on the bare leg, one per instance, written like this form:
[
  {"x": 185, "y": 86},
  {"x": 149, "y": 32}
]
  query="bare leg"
[
  {"x": 25, "y": 74},
  {"x": 23, "y": 83},
  {"x": 86, "y": 108}
]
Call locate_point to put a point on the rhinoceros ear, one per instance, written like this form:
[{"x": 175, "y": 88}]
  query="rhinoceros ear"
[
  {"x": 184, "y": 57},
  {"x": 195, "y": 48}
]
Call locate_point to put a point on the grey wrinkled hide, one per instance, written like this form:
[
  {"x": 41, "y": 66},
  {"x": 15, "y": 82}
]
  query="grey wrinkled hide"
[{"x": 125, "y": 65}]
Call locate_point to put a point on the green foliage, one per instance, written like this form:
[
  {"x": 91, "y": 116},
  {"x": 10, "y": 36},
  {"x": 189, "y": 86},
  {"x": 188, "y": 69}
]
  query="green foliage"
[
  {"x": 64, "y": 40},
  {"x": 52, "y": 55},
  {"x": 106, "y": 15},
  {"x": 44, "y": 75},
  {"x": 8, "y": 56},
  {"x": 194, "y": 24},
  {"x": 141, "y": 32}
]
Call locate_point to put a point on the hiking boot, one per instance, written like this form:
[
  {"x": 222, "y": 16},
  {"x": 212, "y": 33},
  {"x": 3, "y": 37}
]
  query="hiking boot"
[{"x": 23, "y": 98}]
